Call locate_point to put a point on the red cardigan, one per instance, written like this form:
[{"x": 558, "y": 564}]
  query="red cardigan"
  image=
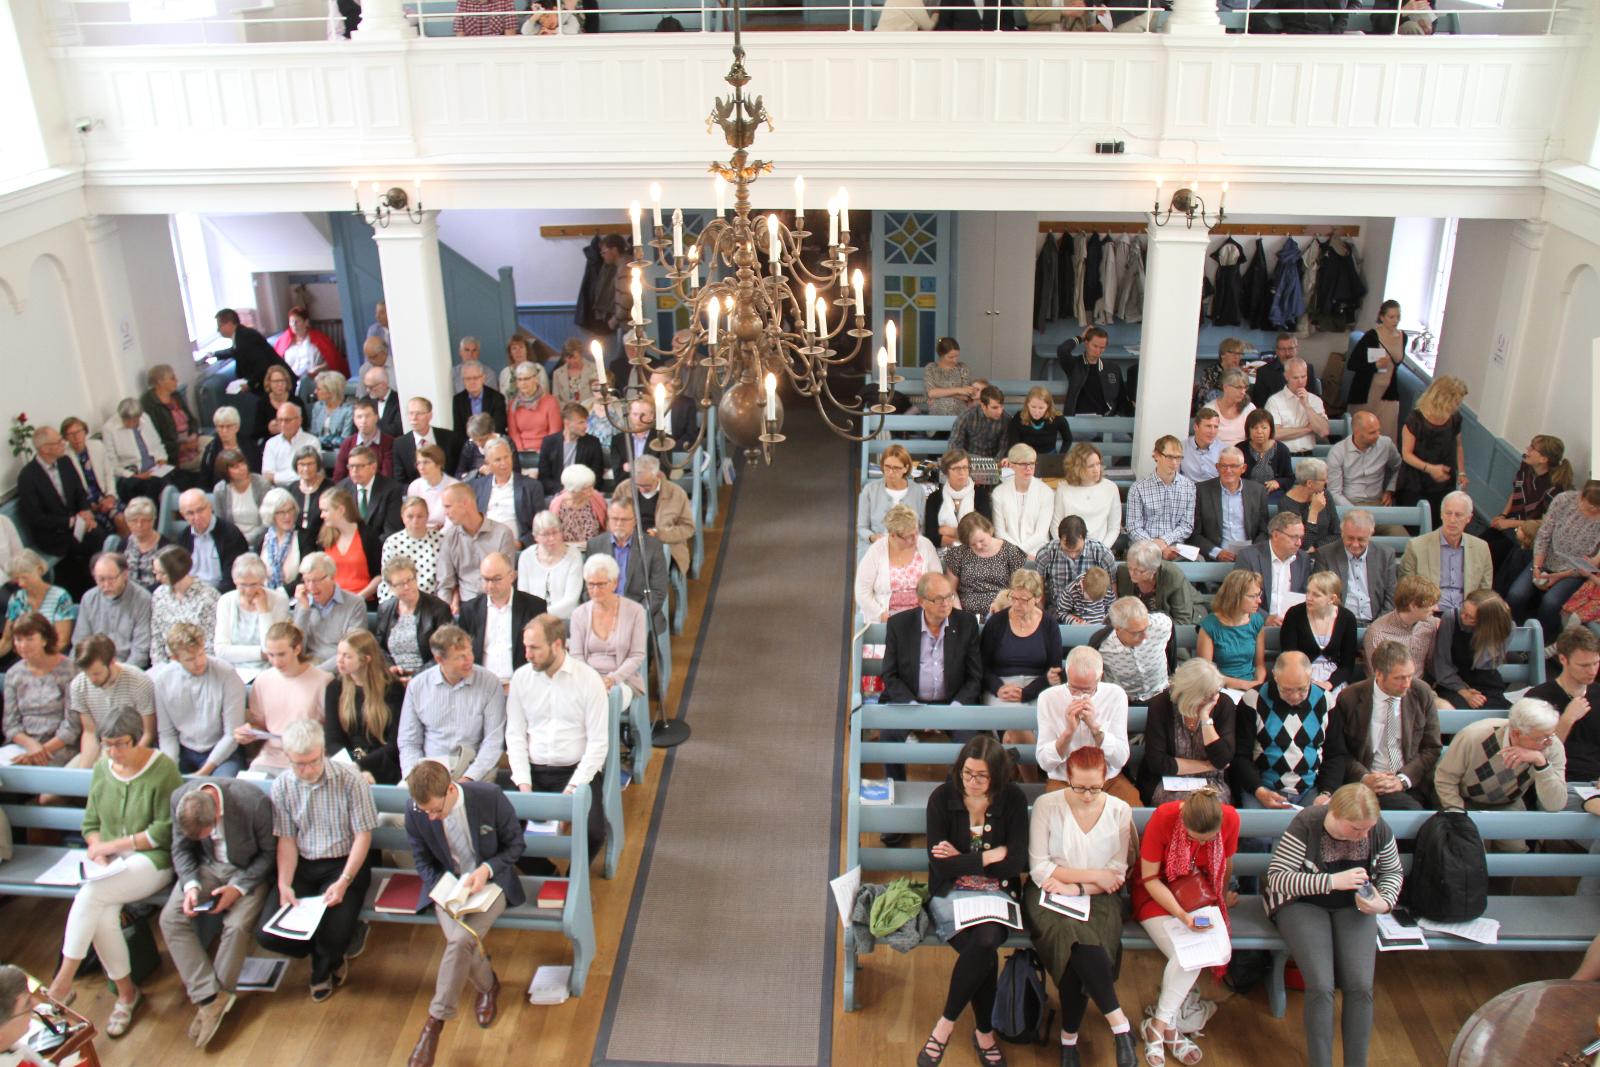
[{"x": 324, "y": 344}]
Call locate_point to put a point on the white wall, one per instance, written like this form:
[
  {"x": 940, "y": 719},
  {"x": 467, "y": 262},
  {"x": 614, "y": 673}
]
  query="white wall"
[
  {"x": 544, "y": 271},
  {"x": 158, "y": 301}
]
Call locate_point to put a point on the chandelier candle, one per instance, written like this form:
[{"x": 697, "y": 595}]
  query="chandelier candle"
[
  {"x": 822, "y": 317},
  {"x": 655, "y": 204},
  {"x": 694, "y": 267},
  {"x": 799, "y": 203},
  {"x": 716, "y": 189},
  {"x": 677, "y": 234},
  {"x": 636, "y": 288},
  {"x": 772, "y": 246},
  {"x": 811, "y": 308},
  {"x": 844, "y": 210},
  {"x": 890, "y": 331},
  {"x": 833, "y": 222},
  {"x": 711, "y": 323},
  {"x": 633, "y": 213},
  {"x": 599, "y": 360},
  {"x": 772, "y": 397},
  {"x": 855, "y": 282},
  {"x": 661, "y": 407}
]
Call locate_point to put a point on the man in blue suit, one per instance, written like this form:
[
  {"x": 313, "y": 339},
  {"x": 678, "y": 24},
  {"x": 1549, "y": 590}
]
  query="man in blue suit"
[{"x": 469, "y": 830}]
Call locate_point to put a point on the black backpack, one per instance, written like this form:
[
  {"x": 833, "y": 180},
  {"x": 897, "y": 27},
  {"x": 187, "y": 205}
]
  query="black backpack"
[
  {"x": 1021, "y": 1010},
  {"x": 1449, "y": 880}
]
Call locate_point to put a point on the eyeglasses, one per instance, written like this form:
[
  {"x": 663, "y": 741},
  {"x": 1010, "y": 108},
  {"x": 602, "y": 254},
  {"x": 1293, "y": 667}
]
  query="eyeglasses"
[
  {"x": 896, "y": 467},
  {"x": 959, "y": 467},
  {"x": 1169, "y": 455},
  {"x": 975, "y": 778},
  {"x": 939, "y": 599},
  {"x": 1087, "y": 790}
]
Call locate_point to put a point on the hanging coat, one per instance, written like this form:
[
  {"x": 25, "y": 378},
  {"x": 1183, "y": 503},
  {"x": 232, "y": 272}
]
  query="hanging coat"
[
  {"x": 1093, "y": 285},
  {"x": 1308, "y": 274},
  {"x": 1256, "y": 303},
  {"x": 1066, "y": 277},
  {"x": 1288, "y": 295},
  {"x": 1080, "y": 266},
  {"x": 1130, "y": 287},
  {"x": 592, "y": 305},
  {"x": 1044, "y": 284},
  {"x": 1227, "y": 291},
  {"x": 1340, "y": 286},
  {"x": 1110, "y": 267}
]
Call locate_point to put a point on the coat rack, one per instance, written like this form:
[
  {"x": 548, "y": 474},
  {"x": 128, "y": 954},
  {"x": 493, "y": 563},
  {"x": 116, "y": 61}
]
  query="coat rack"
[
  {"x": 1227, "y": 229},
  {"x": 583, "y": 229}
]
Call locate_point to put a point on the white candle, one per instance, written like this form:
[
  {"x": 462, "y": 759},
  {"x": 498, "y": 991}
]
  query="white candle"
[
  {"x": 711, "y": 322},
  {"x": 694, "y": 267},
  {"x": 728, "y": 303},
  {"x": 883, "y": 368},
  {"x": 890, "y": 335},
  {"x": 661, "y": 404},
  {"x": 855, "y": 281},
  {"x": 636, "y": 288},
  {"x": 677, "y": 234},
  {"x": 716, "y": 189},
  {"x": 633, "y": 213},
  {"x": 822, "y": 317},
  {"x": 655, "y": 204},
  {"x": 833, "y": 222},
  {"x": 844, "y": 210},
  {"x": 811, "y": 308},
  {"x": 417, "y": 194},
  {"x": 772, "y": 238},
  {"x": 599, "y": 360},
  {"x": 772, "y": 397},
  {"x": 1222, "y": 205},
  {"x": 799, "y": 203},
  {"x": 1158, "y": 193}
]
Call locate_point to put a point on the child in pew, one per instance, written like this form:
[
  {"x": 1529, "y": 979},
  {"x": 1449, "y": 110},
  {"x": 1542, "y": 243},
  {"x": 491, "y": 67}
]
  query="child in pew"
[{"x": 1088, "y": 600}]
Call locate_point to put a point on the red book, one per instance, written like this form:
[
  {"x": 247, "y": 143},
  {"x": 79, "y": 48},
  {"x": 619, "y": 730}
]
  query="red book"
[
  {"x": 400, "y": 894},
  {"x": 553, "y": 894}
]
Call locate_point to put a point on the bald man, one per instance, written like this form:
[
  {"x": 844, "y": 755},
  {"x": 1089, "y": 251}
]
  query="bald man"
[
  {"x": 277, "y": 457},
  {"x": 469, "y": 537},
  {"x": 211, "y": 542},
  {"x": 496, "y": 619},
  {"x": 1279, "y": 733}
]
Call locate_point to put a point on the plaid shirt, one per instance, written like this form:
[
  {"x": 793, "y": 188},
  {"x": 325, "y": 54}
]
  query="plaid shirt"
[
  {"x": 980, "y": 435},
  {"x": 1061, "y": 571},
  {"x": 1158, "y": 510},
  {"x": 324, "y": 816},
  {"x": 495, "y": 18}
]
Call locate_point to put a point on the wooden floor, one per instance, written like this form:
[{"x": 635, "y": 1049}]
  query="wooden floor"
[{"x": 376, "y": 1017}]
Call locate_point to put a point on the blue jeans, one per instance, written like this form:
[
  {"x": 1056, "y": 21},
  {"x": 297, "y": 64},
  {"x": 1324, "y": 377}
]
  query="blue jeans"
[
  {"x": 1527, "y": 599},
  {"x": 191, "y": 760}
]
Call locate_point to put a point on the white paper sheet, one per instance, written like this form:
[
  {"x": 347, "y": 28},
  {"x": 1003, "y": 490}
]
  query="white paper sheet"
[
  {"x": 987, "y": 908},
  {"x": 9, "y": 754},
  {"x": 299, "y": 922},
  {"x": 844, "y": 889},
  {"x": 1586, "y": 792},
  {"x": 68, "y": 870},
  {"x": 1483, "y": 931},
  {"x": 1173, "y": 783},
  {"x": 1188, "y": 552},
  {"x": 549, "y": 985},
  {"x": 1234, "y": 695},
  {"x": 261, "y": 974},
  {"x": 1289, "y": 601},
  {"x": 1077, "y": 907},
  {"x": 1392, "y": 937},
  {"x": 1210, "y": 947}
]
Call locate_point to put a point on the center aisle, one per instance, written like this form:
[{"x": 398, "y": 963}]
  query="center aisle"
[{"x": 727, "y": 953}]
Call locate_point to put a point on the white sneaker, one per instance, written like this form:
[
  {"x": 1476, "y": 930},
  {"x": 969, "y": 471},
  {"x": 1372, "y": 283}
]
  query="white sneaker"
[{"x": 1193, "y": 1015}]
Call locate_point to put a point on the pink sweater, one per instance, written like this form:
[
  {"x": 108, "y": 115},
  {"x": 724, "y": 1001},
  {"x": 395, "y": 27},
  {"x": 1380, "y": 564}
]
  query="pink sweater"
[{"x": 277, "y": 701}]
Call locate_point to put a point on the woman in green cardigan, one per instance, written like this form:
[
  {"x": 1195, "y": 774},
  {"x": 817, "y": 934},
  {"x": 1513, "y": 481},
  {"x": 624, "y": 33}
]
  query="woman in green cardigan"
[{"x": 127, "y": 823}]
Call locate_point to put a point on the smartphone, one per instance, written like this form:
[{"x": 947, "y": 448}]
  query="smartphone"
[
  {"x": 1403, "y": 916},
  {"x": 1202, "y": 921},
  {"x": 204, "y": 905}
]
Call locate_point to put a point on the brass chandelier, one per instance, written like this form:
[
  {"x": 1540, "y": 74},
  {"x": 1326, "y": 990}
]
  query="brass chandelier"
[{"x": 758, "y": 311}]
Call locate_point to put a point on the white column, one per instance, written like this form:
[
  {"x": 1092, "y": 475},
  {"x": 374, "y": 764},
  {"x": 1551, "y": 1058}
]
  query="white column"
[
  {"x": 122, "y": 373},
  {"x": 383, "y": 20},
  {"x": 1174, "y": 274},
  {"x": 413, "y": 289},
  {"x": 1507, "y": 344},
  {"x": 1194, "y": 18}
]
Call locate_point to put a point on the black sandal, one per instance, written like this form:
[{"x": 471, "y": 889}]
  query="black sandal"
[
  {"x": 991, "y": 1056},
  {"x": 933, "y": 1059}
]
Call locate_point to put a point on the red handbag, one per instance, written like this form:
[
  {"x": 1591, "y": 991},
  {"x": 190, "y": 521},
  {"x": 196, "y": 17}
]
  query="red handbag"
[{"x": 1193, "y": 892}]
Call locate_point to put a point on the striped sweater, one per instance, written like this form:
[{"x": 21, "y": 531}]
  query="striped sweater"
[{"x": 1296, "y": 870}]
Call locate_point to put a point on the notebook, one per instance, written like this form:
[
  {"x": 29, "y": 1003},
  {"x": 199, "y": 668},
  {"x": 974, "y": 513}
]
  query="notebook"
[
  {"x": 552, "y": 895},
  {"x": 400, "y": 894}
]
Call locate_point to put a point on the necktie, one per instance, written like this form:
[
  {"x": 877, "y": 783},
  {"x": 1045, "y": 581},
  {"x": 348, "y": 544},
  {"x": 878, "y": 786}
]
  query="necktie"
[
  {"x": 363, "y": 503},
  {"x": 146, "y": 460}
]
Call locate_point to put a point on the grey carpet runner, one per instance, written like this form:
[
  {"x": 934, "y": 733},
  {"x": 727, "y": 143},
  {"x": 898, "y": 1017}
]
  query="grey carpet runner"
[{"x": 727, "y": 957}]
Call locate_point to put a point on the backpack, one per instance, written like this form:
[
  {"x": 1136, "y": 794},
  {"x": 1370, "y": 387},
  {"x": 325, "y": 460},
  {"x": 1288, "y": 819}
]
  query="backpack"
[
  {"x": 1021, "y": 1010},
  {"x": 1449, "y": 880}
]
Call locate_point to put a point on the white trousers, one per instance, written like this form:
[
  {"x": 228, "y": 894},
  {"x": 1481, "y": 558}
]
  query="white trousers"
[
  {"x": 96, "y": 915},
  {"x": 1175, "y": 981}
]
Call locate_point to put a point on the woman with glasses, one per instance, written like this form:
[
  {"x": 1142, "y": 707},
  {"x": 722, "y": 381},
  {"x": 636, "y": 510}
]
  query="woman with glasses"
[
  {"x": 281, "y": 543},
  {"x": 1024, "y": 505},
  {"x": 245, "y": 614},
  {"x": 887, "y": 576},
  {"x": 959, "y": 497},
  {"x": 608, "y": 630},
  {"x": 977, "y": 846},
  {"x": 128, "y": 818},
  {"x": 1234, "y": 634},
  {"x": 1189, "y": 733},
  {"x": 1081, "y": 843},
  {"x": 1266, "y": 459},
  {"x": 879, "y": 495},
  {"x": 551, "y": 569},
  {"x": 16, "y": 1017},
  {"x": 408, "y": 619},
  {"x": 1021, "y": 647},
  {"x": 1233, "y": 407},
  {"x": 417, "y": 543}
]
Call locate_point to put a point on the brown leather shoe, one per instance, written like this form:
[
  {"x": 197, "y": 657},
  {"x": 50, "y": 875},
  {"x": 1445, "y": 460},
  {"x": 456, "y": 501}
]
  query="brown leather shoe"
[
  {"x": 487, "y": 1005},
  {"x": 427, "y": 1044}
]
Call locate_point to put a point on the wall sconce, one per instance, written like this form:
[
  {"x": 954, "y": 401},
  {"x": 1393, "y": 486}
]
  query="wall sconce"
[
  {"x": 1187, "y": 203},
  {"x": 386, "y": 204}
]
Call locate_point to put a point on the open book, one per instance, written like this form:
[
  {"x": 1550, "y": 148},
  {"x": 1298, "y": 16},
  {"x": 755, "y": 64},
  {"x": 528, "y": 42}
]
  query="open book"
[
  {"x": 1075, "y": 907},
  {"x": 451, "y": 896},
  {"x": 297, "y": 921},
  {"x": 988, "y": 908}
]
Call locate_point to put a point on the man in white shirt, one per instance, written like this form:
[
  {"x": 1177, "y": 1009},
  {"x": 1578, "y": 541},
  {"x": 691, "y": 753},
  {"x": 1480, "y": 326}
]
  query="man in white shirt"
[
  {"x": 496, "y": 619},
  {"x": 1280, "y": 563},
  {"x": 557, "y": 715},
  {"x": 277, "y": 457},
  {"x": 1299, "y": 414},
  {"x": 469, "y": 351},
  {"x": 1085, "y": 711},
  {"x": 1023, "y": 506},
  {"x": 377, "y": 386}
]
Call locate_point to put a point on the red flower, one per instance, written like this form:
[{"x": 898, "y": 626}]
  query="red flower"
[{"x": 22, "y": 416}]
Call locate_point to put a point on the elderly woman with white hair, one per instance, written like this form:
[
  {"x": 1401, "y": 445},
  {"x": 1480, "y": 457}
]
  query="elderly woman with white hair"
[
  {"x": 181, "y": 598},
  {"x": 1158, "y": 584},
  {"x": 246, "y": 614},
  {"x": 887, "y": 576},
  {"x": 35, "y": 595},
  {"x": 608, "y": 630},
  {"x": 550, "y": 568},
  {"x": 1490, "y": 764},
  {"x": 227, "y": 434},
  {"x": 281, "y": 546},
  {"x": 417, "y": 541},
  {"x": 1308, "y": 498},
  {"x": 127, "y": 819},
  {"x": 1188, "y": 734},
  {"x": 332, "y": 419},
  {"x": 580, "y": 509},
  {"x": 1023, "y": 506},
  {"x": 134, "y": 448},
  {"x": 143, "y": 543},
  {"x": 238, "y": 494}
]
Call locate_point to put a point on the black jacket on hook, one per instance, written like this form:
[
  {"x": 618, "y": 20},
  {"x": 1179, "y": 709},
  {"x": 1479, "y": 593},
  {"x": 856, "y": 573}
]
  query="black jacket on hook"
[
  {"x": 1228, "y": 285},
  {"x": 1256, "y": 303}
]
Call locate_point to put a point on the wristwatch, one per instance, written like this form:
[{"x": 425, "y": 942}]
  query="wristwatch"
[{"x": 1207, "y": 722}]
